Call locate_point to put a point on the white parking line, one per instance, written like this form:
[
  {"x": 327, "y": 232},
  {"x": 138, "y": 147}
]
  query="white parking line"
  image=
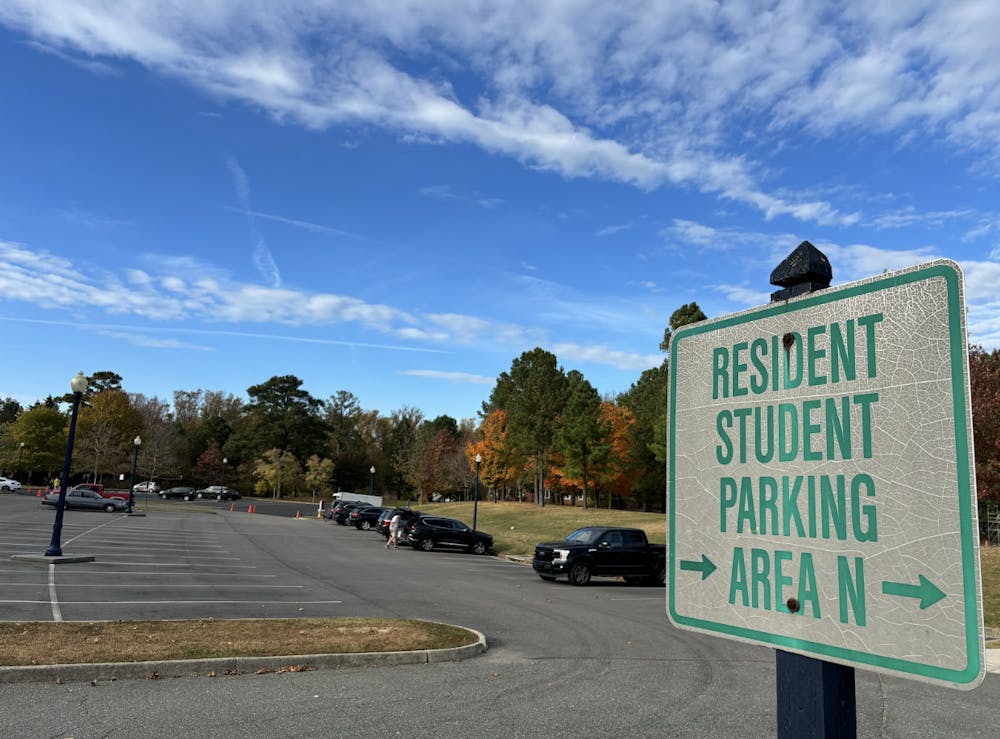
[
  {"x": 213, "y": 587},
  {"x": 180, "y": 564},
  {"x": 53, "y": 599},
  {"x": 182, "y": 602},
  {"x": 95, "y": 528}
]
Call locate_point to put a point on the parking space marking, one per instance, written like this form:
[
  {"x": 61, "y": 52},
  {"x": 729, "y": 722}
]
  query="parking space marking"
[
  {"x": 149, "y": 587},
  {"x": 191, "y": 602},
  {"x": 95, "y": 528},
  {"x": 183, "y": 565},
  {"x": 53, "y": 599},
  {"x": 243, "y": 575}
]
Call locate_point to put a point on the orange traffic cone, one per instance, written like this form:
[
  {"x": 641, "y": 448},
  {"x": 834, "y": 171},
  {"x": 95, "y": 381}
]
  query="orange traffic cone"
[
  {"x": 39, "y": 493},
  {"x": 253, "y": 509}
]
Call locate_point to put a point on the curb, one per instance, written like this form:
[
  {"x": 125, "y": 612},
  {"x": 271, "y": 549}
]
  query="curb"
[{"x": 112, "y": 671}]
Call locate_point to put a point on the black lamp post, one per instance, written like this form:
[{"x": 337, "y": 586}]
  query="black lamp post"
[
  {"x": 78, "y": 385},
  {"x": 223, "y": 483},
  {"x": 475, "y": 497},
  {"x": 135, "y": 458},
  {"x": 20, "y": 451},
  {"x": 371, "y": 487}
]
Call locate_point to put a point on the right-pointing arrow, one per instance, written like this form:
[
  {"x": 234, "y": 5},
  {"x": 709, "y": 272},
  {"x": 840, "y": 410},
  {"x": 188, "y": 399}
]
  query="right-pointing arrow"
[
  {"x": 928, "y": 592},
  {"x": 705, "y": 567}
]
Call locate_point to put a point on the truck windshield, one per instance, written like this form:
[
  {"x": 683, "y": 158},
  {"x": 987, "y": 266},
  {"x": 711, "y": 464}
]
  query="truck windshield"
[{"x": 584, "y": 536}]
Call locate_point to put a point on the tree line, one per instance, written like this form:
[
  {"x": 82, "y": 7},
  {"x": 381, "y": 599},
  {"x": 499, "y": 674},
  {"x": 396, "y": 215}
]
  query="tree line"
[{"x": 544, "y": 435}]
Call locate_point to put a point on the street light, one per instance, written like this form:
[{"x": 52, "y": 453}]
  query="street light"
[
  {"x": 223, "y": 483},
  {"x": 135, "y": 458},
  {"x": 475, "y": 498},
  {"x": 78, "y": 385},
  {"x": 371, "y": 489},
  {"x": 20, "y": 451}
]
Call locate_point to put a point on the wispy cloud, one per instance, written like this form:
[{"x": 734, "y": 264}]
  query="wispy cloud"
[
  {"x": 445, "y": 192},
  {"x": 611, "y": 230},
  {"x": 910, "y": 216},
  {"x": 151, "y": 342},
  {"x": 298, "y": 223},
  {"x": 461, "y": 378},
  {"x": 261, "y": 256},
  {"x": 600, "y": 354},
  {"x": 90, "y": 219}
]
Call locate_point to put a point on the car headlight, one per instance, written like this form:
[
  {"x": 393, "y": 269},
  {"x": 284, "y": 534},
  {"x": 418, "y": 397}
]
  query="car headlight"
[{"x": 561, "y": 555}]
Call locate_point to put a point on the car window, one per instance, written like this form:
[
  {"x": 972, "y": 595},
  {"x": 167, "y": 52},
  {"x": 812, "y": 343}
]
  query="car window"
[
  {"x": 584, "y": 536},
  {"x": 633, "y": 538},
  {"x": 612, "y": 539}
]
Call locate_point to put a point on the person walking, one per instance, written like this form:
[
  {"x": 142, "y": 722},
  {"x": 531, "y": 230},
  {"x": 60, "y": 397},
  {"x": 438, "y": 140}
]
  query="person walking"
[{"x": 393, "y": 531}]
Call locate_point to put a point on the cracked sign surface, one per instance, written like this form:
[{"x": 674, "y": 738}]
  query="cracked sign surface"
[{"x": 821, "y": 484}]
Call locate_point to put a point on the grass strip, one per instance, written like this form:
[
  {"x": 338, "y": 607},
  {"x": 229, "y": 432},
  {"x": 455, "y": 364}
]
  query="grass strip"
[{"x": 87, "y": 642}]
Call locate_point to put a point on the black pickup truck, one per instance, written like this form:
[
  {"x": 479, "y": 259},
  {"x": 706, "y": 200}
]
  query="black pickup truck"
[{"x": 599, "y": 550}]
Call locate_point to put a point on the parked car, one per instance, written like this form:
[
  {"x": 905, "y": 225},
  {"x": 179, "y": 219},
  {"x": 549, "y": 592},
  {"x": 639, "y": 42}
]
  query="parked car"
[
  {"x": 96, "y": 487},
  {"x": 8, "y": 485},
  {"x": 86, "y": 500},
  {"x": 180, "y": 492},
  {"x": 364, "y": 519},
  {"x": 147, "y": 487},
  {"x": 599, "y": 550},
  {"x": 343, "y": 510},
  {"x": 428, "y": 532},
  {"x": 219, "y": 492},
  {"x": 406, "y": 515}
]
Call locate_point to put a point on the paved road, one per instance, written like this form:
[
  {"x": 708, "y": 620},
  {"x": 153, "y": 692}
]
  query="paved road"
[{"x": 563, "y": 661}]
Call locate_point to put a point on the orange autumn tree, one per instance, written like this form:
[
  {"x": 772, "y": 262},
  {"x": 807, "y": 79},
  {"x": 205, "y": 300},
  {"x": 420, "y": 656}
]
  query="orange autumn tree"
[
  {"x": 613, "y": 475},
  {"x": 494, "y": 471},
  {"x": 617, "y": 476}
]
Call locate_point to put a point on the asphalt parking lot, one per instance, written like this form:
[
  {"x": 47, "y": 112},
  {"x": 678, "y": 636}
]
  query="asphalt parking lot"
[{"x": 562, "y": 661}]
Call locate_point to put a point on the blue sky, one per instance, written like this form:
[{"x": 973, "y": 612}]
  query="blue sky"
[{"x": 397, "y": 198}]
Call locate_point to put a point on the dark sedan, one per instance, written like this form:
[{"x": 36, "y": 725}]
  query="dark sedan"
[
  {"x": 342, "y": 510},
  {"x": 86, "y": 500},
  {"x": 181, "y": 492},
  {"x": 364, "y": 519},
  {"x": 428, "y": 532}
]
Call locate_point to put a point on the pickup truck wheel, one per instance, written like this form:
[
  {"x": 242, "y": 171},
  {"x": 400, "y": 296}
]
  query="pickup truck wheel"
[
  {"x": 479, "y": 547},
  {"x": 660, "y": 578},
  {"x": 426, "y": 544},
  {"x": 579, "y": 574},
  {"x": 110, "y": 507}
]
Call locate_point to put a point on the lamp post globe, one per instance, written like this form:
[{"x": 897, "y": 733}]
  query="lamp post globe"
[
  {"x": 78, "y": 385},
  {"x": 135, "y": 458},
  {"x": 475, "y": 499}
]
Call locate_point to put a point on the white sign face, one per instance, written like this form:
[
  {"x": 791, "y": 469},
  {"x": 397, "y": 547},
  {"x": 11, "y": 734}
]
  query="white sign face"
[{"x": 821, "y": 478}]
